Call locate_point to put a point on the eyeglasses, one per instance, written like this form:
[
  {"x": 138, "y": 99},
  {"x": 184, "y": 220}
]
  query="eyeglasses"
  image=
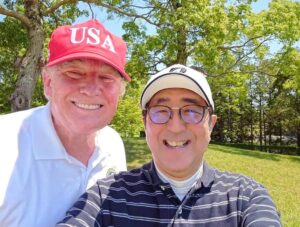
[{"x": 191, "y": 114}]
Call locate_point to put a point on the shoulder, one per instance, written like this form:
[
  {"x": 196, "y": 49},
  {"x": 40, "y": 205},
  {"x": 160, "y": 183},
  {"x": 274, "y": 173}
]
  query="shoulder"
[
  {"x": 228, "y": 182},
  {"x": 108, "y": 135},
  {"x": 134, "y": 179},
  {"x": 236, "y": 179},
  {"x": 21, "y": 118},
  {"x": 108, "y": 131},
  {"x": 18, "y": 116},
  {"x": 125, "y": 177},
  {"x": 239, "y": 187},
  {"x": 243, "y": 194},
  {"x": 14, "y": 126},
  {"x": 236, "y": 185}
]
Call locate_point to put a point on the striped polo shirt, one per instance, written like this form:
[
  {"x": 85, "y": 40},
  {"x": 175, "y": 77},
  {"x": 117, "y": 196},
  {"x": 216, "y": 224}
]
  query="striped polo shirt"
[{"x": 140, "y": 198}]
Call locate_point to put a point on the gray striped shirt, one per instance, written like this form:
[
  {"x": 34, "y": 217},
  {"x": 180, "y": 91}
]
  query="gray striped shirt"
[{"x": 140, "y": 198}]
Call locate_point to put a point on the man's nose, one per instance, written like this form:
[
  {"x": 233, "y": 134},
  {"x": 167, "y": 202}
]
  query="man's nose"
[
  {"x": 91, "y": 87},
  {"x": 175, "y": 123}
]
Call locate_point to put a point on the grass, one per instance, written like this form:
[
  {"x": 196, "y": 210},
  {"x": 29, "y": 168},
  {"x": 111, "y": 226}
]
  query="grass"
[{"x": 280, "y": 174}]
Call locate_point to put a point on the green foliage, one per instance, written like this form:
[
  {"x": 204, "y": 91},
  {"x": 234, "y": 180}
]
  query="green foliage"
[
  {"x": 38, "y": 96},
  {"x": 128, "y": 120},
  {"x": 12, "y": 48},
  {"x": 252, "y": 59}
]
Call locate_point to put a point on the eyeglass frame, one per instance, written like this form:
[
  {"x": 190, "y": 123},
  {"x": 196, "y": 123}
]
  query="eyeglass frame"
[{"x": 171, "y": 112}]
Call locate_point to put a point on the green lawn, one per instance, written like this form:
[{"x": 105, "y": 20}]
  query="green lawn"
[{"x": 280, "y": 174}]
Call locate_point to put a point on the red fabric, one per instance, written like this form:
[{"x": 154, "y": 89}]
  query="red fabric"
[{"x": 91, "y": 40}]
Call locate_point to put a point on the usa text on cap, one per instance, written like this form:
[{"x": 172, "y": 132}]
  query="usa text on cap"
[{"x": 91, "y": 40}]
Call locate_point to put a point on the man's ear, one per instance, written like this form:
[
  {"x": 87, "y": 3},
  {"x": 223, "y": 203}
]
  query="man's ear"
[
  {"x": 212, "y": 122},
  {"x": 144, "y": 115},
  {"x": 47, "y": 84}
]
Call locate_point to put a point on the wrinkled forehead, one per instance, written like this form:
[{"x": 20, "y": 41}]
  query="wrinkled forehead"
[
  {"x": 176, "y": 95},
  {"x": 86, "y": 64}
]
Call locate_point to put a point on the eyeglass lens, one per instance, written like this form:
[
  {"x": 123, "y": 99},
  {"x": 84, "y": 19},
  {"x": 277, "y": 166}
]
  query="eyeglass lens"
[{"x": 192, "y": 114}]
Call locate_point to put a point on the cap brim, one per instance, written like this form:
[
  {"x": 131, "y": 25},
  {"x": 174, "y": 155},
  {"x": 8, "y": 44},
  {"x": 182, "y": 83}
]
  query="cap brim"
[
  {"x": 89, "y": 55},
  {"x": 170, "y": 81}
]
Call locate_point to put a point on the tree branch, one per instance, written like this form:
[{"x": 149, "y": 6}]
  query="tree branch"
[
  {"x": 239, "y": 59},
  {"x": 239, "y": 46},
  {"x": 58, "y": 4},
  {"x": 125, "y": 13},
  {"x": 24, "y": 20}
]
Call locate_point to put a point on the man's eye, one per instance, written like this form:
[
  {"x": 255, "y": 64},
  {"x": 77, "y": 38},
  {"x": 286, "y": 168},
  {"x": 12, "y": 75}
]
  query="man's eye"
[
  {"x": 192, "y": 111},
  {"x": 74, "y": 75},
  {"x": 107, "y": 79},
  {"x": 162, "y": 111}
]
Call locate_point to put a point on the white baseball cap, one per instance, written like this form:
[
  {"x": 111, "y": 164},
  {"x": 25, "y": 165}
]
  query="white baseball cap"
[{"x": 177, "y": 76}]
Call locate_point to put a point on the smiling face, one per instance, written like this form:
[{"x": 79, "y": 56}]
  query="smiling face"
[
  {"x": 83, "y": 95},
  {"x": 178, "y": 147}
]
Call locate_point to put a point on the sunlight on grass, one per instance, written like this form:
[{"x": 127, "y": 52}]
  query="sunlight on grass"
[{"x": 280, "y": 174}]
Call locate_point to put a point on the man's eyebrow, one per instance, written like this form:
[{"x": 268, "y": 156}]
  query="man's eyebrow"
[
  {"x": 185, "y": 99},
  {"x": 161, "y": 100},
  {"x": 191, "y": 100}
]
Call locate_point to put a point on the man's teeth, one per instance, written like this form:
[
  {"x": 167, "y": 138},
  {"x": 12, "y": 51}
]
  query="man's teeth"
[
  {"x": 87, "y": 106},
  {"x": 176, "y": 143}
]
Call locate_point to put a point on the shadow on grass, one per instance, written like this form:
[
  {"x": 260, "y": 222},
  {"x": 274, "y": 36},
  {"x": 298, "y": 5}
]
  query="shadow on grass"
[
  {"x": 254, "y": 153},
  {"x": 246, "y": 152},
  {"x": 138, "y": 153},
  {"x": 293, "y": 158}
]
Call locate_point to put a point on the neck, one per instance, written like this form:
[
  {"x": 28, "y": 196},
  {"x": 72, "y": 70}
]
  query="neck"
[
  {"x": 181, "y": 187},
  {"x": 80, "y": 146}
]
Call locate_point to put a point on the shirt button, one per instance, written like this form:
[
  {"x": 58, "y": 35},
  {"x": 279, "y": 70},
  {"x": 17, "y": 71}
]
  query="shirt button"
[
  {"x": 179, "y": 210},
  {"x": 162, "y": 188}
]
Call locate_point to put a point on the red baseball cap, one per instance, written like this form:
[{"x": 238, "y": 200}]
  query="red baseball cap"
[{"x": 91, "y": 40}]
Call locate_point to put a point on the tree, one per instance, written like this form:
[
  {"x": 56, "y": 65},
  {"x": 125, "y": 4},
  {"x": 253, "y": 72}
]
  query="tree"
[
  {"x": 32, "y": 14},
  {"x": 226, "y": 40},
  {"x": 11, "y": 47}
]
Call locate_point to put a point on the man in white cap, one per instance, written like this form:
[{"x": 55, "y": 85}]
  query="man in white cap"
[
  {"x": 51, "y": 154},
  {"x": 177, "y": 188}
]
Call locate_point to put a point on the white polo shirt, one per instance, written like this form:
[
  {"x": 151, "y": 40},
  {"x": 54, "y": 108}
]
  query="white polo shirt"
[{"x": 39, "y": 181}]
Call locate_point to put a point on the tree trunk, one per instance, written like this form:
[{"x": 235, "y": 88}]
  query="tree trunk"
[
  {"x": 251, "y": 121},
  {"x": 270, "y": 132},
  {"x": 260, "y": 121},
  {"x": 280, "y": 132},
  {"x": 241, "y": 137},
  {"x": 221, "y": 127},
  {"x": 264, "y": 128},
  {"x": 298, "y": 137},
  {"x": 30, "y": 66}
]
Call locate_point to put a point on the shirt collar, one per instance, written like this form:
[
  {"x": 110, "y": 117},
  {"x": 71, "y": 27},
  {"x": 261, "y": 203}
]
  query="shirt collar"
[
  {"x": 208, "y": 175},
  {"x": 206, "y": 180},
  {"x": 151, "y": 174},
  {"x": 45, "y": 141}
]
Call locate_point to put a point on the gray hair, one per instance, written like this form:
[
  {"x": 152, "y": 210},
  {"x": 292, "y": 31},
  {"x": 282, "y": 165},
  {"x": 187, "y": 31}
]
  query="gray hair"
[{"x": 50, "y": 70}]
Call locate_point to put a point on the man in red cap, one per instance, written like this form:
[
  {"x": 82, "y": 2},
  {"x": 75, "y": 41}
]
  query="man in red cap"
[{"x": 55, "y": 152}]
